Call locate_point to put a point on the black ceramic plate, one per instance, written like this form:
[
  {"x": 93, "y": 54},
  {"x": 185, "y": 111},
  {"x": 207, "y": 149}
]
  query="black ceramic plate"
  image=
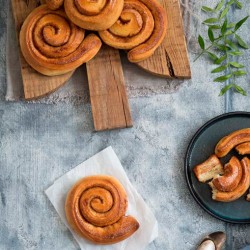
[{"x": 200, "y": 148}]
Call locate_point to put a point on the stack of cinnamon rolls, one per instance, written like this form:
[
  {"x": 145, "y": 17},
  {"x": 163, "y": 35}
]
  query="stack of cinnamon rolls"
[{"x": 53, "y": 40}]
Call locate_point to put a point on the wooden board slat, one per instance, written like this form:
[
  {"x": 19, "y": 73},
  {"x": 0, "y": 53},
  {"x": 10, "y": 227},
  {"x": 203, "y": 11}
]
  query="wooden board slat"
[
  {"x": 107, "y": 89},
  {"x": 171, "y": 58},
  {"x": 35, "y": 84}
]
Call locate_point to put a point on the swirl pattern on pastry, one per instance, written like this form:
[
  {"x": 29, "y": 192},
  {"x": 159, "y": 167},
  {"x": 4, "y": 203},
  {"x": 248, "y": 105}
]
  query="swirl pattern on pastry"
[
  {"x": 95, "y": 208},
  {"x": 54, "y": 4},
  {"x": 239, "y": 190},
  {"x": 230, "y": 180},
  {"x": 227, "y": 143},
  {"x": 93, "y": 15},
  {"x": 141, "y": 28},
  {"x": 244, "y": 148},
  {"x": 53, "y": 45}
]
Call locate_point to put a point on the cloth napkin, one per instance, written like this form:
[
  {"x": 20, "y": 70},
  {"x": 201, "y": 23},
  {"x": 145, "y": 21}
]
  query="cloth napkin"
[{"x": 106, "y": 162}]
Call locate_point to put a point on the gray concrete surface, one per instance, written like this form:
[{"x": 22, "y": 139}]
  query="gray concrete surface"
[{"x": 39, "y": 143}]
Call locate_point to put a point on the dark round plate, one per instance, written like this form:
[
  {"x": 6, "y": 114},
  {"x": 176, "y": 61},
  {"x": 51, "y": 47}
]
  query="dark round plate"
[{"x": 200, "y": 148}]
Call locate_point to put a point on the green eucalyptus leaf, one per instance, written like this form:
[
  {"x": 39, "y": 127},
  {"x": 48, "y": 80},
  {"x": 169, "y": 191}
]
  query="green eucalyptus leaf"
[
  {"x": 211, "y": 35},
  {"x": 231, "y": 2},
  {"x": 224, "y": 27},
  {"x": 212, "y": 56},
  {"x": 231, "y": 44},
  {"x": 231, "y": 25},
  {"x": 211, "y": 20},
  {"x": 220, "y": 60},
  {"x": 224, "y": 12},
  {"x": 239, "y": 73},
  {"x": 222, "y": 47},
  {"x": 239, "y": 24},
  {"x": 241, "y": 42},
  {"x": 225, "y": 89},
  {"x": 223, "y": 78},
  {"x": 220, "y": 5},
  {"x": 235, "y": 53},
  {"x": 214, "y": 27},
  {"x": 240, "y": 90},
  {"x": 201, "y": 42},
  {"x": 236, "y": 87},
  {"x": 207, "y": 9},
  {"x": 238, "y": 4},
  {"x": 219, "y": 69},
  {"x": 228, "y": 33},
  {"x": 236, "y": 65}
]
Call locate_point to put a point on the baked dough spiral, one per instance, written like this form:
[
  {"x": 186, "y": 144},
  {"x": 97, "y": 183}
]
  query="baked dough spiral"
[
  {"x": 54, "y": 4},
  {"x": 227, "y": 143},
  {"x": 230, "y": 180},
  {"x": 93, "y": 15},
  {"x": 244, "y": 148},
  {"x": 53, "y": 45},
  {"x": 95, "y": 208},
  {"x": 141, "y": 27},
  {"x": 239, "y": 190}
]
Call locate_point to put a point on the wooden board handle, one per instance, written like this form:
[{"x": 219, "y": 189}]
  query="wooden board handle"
[{"x": 108, "y": 95}]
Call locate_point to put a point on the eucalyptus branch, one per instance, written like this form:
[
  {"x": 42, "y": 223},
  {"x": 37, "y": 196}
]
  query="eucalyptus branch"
[{"x": 227, "y": 43}]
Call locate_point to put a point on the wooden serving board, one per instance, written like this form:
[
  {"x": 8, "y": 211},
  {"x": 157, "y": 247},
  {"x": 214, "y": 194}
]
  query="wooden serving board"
[
  {"x": 108, "y": 96},
  {"x": 35, "y": 85}
]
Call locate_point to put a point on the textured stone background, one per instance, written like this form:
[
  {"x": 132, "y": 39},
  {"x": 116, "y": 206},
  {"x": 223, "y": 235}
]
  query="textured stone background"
[{"x": 39, "y": 143}]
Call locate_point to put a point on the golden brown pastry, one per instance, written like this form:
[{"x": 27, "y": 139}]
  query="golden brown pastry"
[
  {"x": 230, "y": 180},
  {"x": 93, "y": 15},
  {"x": 240, "y": 189},
  {"x": 208, "y": 169},
  {"x": 54, "y": 4},
  {"x": 53, "y": 45},
  {"x": 95, "y": 209},
  {"x": 230, "y": 141},
  {"x": 140, "y": 28},
  {"x": 248, "y": 197},
  {"x": 244, "y": 148}
]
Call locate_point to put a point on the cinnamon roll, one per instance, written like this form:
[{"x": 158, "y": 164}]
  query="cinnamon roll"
[
  {"x": 93, "y": 15},
  {"x": 140, "y": 28},
  {"x": 208, "y": 169},
  {"x": 54, "y": 4},
  {"x": 53, "y": 45},
  {"x": 95, "y": 209},
  {"x": 230, "y": 180},
  {"x": 227, "y": 143},
  {"x": 244, "y": 148},
  {"x": 239, "y": 190}
]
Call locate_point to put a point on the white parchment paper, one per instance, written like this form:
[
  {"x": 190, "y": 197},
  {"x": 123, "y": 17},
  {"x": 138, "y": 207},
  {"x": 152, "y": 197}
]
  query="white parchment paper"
[{"x": 106, "y": 162}]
